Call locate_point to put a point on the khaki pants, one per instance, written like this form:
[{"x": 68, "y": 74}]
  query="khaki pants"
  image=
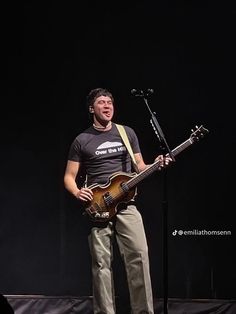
[{"x": 129, "y": 232}]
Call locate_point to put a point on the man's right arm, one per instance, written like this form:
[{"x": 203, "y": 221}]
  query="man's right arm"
[{"x": 72, "y": 169}]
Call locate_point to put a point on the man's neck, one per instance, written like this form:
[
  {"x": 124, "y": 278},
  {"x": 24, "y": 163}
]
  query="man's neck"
[{"x": 100, "y": 127}]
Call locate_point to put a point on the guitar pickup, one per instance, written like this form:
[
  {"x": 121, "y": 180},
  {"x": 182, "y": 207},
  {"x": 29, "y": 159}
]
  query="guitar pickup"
[
  {"x": 124, "y": 187},
  {"x": 108, "y": 199}
]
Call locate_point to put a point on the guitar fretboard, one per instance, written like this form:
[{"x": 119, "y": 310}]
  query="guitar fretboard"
[{"x": 154, "y": 167}]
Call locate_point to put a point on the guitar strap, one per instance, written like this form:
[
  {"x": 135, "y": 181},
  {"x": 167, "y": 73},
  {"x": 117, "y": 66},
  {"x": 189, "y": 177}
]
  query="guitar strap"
[{"x": 125, "y": 139}]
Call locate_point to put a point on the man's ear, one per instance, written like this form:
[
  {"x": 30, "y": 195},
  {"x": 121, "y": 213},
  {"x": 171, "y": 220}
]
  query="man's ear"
[{"x": 91, "y": 110}]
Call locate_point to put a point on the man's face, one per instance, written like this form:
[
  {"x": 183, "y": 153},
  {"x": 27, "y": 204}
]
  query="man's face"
[{"x": 103, "y": 109}]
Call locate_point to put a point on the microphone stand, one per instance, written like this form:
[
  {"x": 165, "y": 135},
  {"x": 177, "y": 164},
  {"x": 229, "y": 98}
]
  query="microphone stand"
[{"x": 166, "y": 150}]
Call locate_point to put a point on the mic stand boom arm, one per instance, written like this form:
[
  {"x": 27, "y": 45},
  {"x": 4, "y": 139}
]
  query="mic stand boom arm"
[{"x": 158, "y": 131}]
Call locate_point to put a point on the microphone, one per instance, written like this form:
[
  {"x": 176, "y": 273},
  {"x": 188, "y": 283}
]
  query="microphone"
[
  {"x": 140, "y": 93},
  {"x": 149, "y": 91},
  {"x": 135, "y": 92}
]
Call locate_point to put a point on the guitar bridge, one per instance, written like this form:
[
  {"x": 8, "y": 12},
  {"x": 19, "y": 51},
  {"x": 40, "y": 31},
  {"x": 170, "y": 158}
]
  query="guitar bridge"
[
  {"x": 101, "y": 215},
  {"x": 96, "y": 213}
]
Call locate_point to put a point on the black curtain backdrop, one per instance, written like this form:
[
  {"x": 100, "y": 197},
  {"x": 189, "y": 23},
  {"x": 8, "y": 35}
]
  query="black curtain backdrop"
[{"x": 53, "y": 53}]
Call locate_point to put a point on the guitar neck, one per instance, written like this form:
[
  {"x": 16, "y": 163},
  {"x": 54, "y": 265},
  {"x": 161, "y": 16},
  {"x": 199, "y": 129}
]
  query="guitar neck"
[
  {"x": 154, "y": 167},
  {"x": 182, "y": 147}
]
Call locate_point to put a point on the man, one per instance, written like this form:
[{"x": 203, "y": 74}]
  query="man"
[{"x": 101, "y": 152}]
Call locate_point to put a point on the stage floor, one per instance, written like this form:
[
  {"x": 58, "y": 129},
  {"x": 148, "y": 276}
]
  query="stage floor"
[{"x": 41, "y": 304}]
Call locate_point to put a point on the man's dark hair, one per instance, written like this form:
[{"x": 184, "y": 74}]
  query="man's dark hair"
[{"x": 95, "y": 93}]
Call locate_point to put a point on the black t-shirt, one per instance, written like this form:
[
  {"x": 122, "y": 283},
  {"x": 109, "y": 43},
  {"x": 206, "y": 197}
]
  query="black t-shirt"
[{"x": 103, "y": 153}]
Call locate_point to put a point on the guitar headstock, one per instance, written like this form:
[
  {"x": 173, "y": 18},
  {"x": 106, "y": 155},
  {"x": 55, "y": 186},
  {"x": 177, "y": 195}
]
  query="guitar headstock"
[{"x": 198, "y": 133}]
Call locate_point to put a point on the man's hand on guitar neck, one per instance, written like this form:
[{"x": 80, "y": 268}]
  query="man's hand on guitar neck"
[{"x": 163, "y": 161}]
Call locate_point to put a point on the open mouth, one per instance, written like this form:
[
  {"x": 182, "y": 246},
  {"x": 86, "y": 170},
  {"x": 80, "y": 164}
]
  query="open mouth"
[{"x": 107, "y": 114}]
